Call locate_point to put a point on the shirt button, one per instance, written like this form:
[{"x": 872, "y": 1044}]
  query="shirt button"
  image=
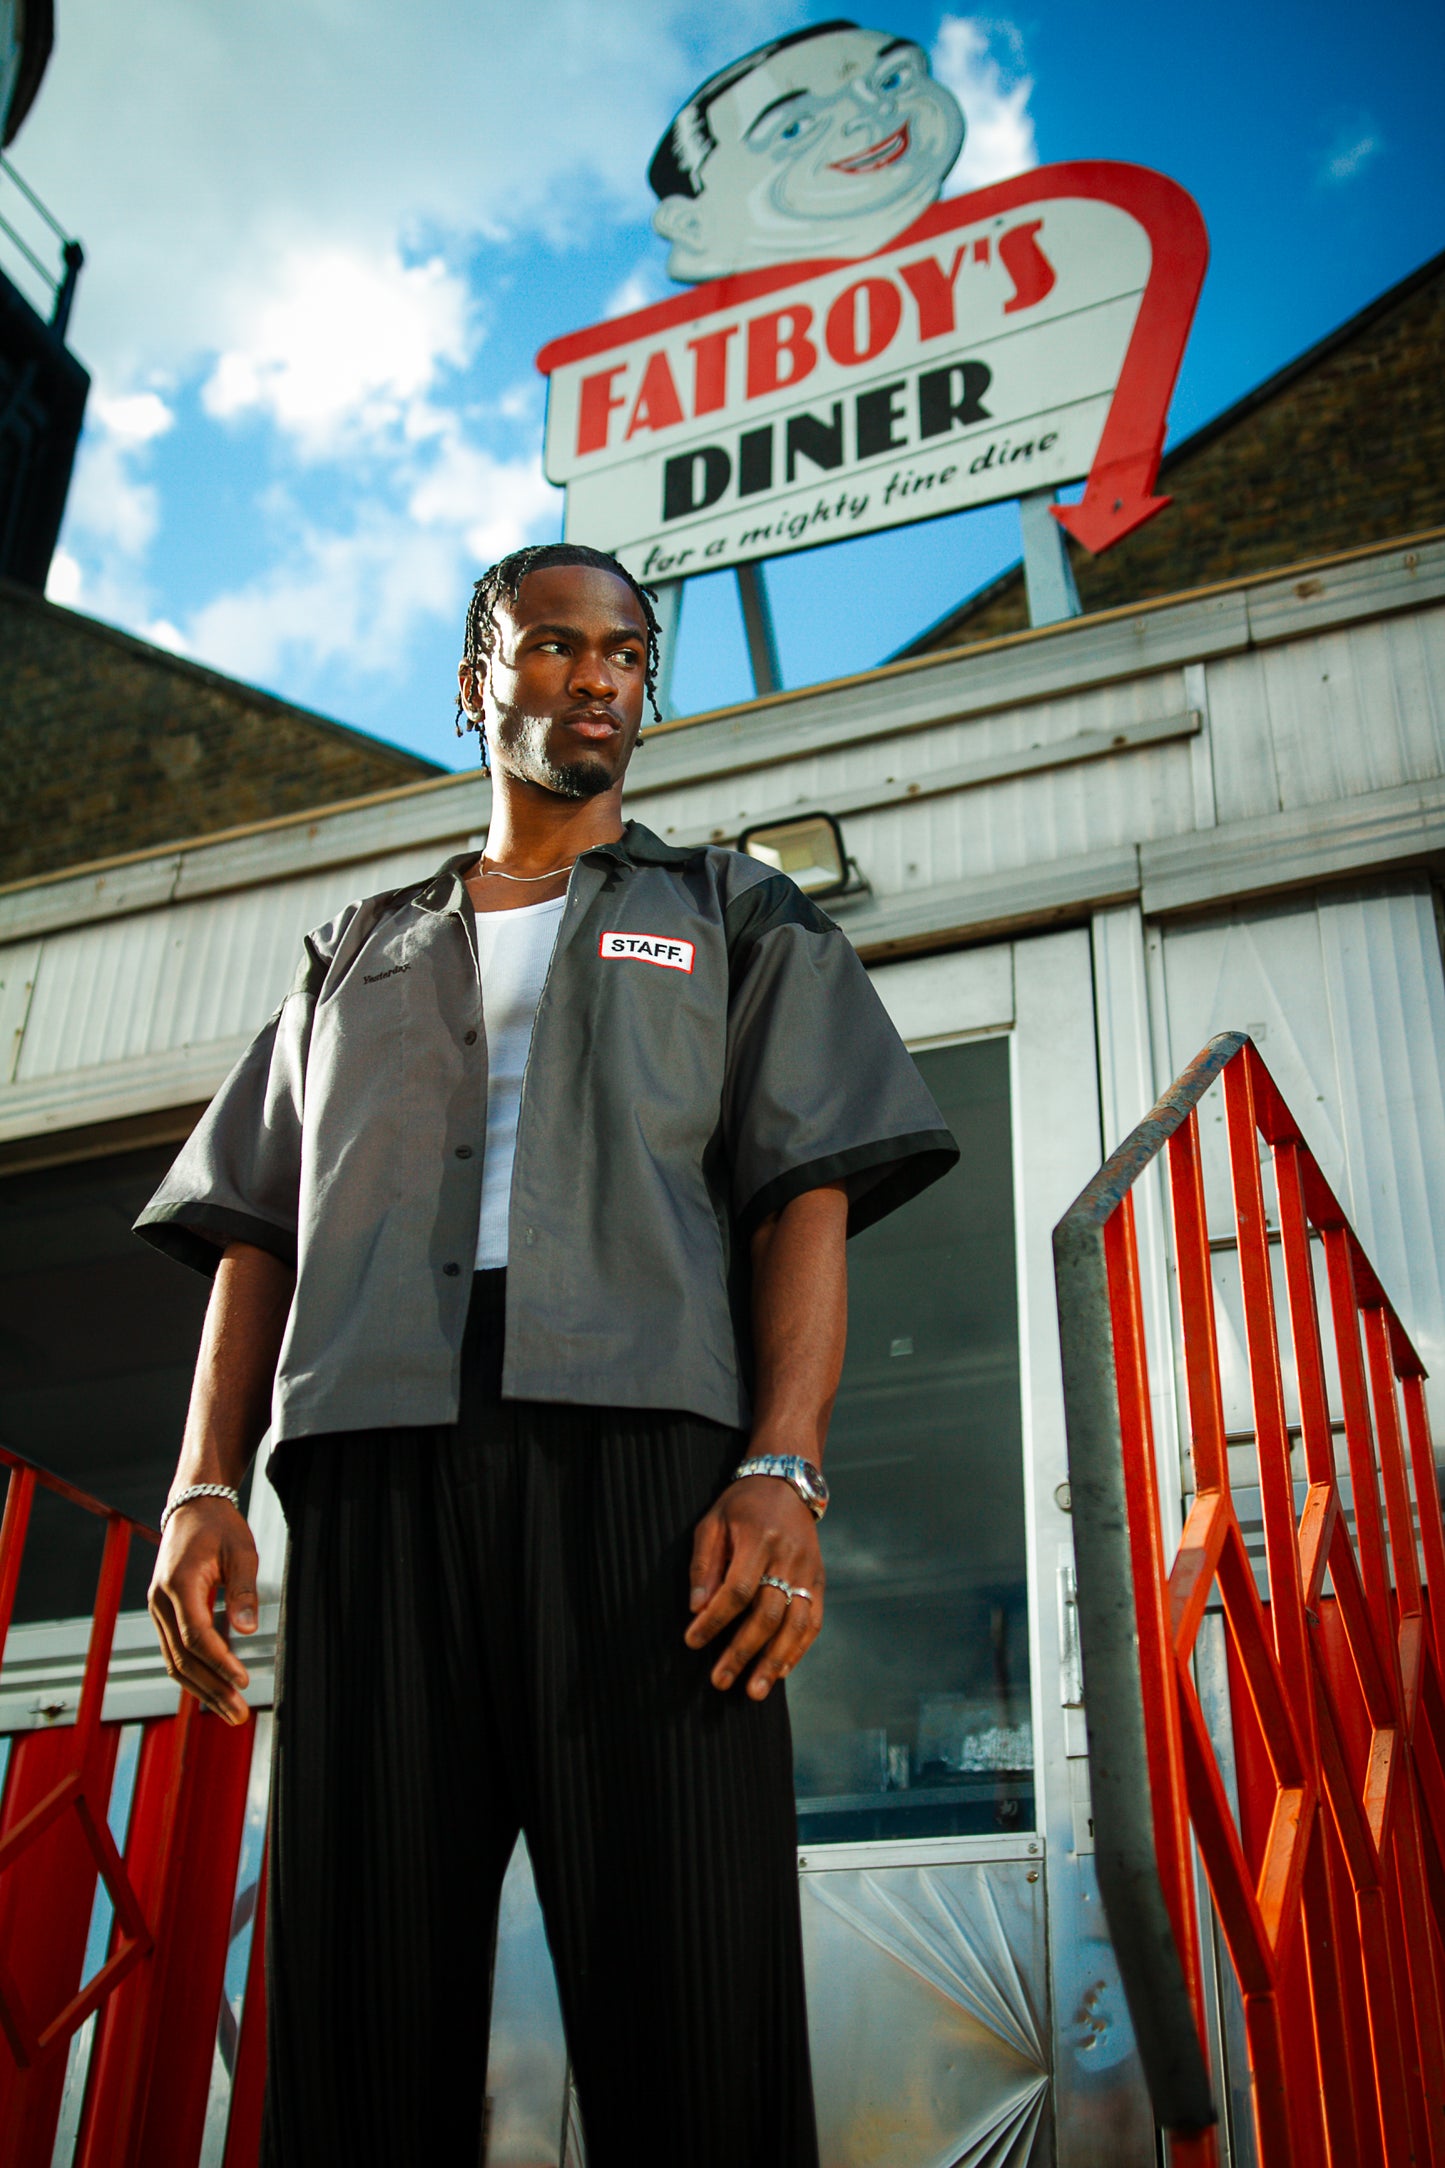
[
  {"x": 451, "y": 1271},
  {"x": 464, "y": 1151},
  {"x": 471, "y": 1038}
]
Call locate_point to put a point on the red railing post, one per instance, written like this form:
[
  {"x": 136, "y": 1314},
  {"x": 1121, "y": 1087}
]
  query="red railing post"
[{"x": 44, "y": 1920}]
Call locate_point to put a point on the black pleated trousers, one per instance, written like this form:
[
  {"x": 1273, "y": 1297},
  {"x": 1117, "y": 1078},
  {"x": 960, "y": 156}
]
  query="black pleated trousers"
[{"x": 482, "y": 1632}]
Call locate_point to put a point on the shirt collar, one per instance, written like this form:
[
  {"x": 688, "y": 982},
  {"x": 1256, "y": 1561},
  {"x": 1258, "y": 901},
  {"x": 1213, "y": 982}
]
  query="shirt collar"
[{"x": 636, "y": 846}]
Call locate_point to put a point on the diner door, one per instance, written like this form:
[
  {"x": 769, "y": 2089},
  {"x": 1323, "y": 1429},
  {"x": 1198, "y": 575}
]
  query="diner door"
[
  {"x": 963, "y": 2002},
  {"x": 963, "y": 1999}
]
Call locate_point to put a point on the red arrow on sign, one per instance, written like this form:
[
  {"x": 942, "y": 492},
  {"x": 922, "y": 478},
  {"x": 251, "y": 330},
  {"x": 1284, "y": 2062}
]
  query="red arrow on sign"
[{"x": 1119, "y": 494}]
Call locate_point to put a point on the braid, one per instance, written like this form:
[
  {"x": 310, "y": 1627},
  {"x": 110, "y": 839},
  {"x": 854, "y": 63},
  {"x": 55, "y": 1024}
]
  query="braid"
[{"x": 502, "y": 582}]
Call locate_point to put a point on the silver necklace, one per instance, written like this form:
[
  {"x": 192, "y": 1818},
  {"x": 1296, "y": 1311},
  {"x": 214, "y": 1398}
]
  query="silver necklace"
[{"x": 485, "y": 870}]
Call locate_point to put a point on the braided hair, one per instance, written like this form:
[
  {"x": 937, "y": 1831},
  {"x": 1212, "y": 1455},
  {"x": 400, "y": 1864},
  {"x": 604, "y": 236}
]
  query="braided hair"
[{"x": 502, "y": 582}]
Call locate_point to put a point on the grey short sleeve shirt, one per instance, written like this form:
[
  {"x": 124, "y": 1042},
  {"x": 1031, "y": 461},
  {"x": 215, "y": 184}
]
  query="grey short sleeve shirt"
[{"x": 707, "y": 1047}]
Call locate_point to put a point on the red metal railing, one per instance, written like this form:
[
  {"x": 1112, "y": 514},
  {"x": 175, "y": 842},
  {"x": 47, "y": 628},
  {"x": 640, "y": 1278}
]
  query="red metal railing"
[
  {"x": 156, "y": 1996},
  {"x": 1329, "y": 1884}
]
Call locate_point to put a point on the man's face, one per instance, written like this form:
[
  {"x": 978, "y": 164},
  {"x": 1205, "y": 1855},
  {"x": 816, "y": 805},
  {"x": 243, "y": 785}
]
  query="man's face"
[
  {"x": 831, "y": 147},
  {"x": 562, "y": 694}
]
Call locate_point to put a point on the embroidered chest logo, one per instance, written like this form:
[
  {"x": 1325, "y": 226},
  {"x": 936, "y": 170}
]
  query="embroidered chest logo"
[{"x": 648, "y": 948}]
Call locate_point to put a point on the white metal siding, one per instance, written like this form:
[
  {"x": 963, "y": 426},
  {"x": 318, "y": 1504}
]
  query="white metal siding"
[
  {"x": 1358, "y": 709},
  {"x": 1345, "y": 995},
  {"x": 188, "y": 975}
]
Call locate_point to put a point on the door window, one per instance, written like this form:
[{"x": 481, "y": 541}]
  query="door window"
[{"x": 911, "y": 1713}]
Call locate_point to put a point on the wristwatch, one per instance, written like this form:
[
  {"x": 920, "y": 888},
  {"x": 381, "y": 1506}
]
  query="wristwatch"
[{"x": 806, "y": 1480}]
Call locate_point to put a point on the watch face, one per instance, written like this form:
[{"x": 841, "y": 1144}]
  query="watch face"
[{"x": 810, "y": 1482}]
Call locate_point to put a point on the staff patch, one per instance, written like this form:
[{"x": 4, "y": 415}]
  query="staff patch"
[{"x": 648, "y": 948}]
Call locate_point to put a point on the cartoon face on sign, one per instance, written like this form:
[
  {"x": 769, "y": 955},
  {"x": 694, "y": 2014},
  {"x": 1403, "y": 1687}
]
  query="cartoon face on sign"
[{"x": 825, "y": 143}]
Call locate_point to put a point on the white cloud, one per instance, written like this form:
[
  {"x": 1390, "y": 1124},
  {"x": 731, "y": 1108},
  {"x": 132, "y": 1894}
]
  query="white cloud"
[
  {"x": 981, "y": 61},
  {"x": 64, "y": 582},
  {"x": 343, "y": 600},
  {"x": 204, "y": 152},
  {"x": 345, "y": 342},
  {"x": 492, "y": 504},
  {"x": 645, "y": 282},
  {"x": 347, "y": 599},
  {"x": 132, "y": 418},
  {"x": 1354, "y": 147},
  {"x": 114, "y": 509},
  {"x": 522, "y": 402},
  {"x": 110, "y": 503}
]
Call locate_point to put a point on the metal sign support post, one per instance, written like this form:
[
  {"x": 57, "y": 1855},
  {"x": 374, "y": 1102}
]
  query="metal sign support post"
[
  {"x": 758, "y": 624},
  {"x": 667, "y": 608},
  {"x": 1048, "y": 574}
]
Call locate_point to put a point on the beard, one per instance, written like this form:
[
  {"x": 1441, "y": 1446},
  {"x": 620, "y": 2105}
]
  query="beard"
[{"x": 575, "y": 779}]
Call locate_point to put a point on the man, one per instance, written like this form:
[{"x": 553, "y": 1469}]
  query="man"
[
  {"x": 644, "y": 1091},
  {"x": 828, "y": 142}
]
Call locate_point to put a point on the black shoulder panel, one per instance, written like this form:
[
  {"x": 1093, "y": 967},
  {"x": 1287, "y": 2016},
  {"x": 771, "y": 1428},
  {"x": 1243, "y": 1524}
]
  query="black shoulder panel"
[{"x": 766, "y": 904}]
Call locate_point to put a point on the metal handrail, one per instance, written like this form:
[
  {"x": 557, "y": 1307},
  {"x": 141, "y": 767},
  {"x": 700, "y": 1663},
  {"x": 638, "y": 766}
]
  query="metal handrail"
[
  {"x": 46, "y": 1479},
  {"x": 29, "y": 254},
  {"x": 1160, "y": 2001},
  {"x": 33, "y": 200},
  {"x": 62, "y": 284},
  {"x": 1333, "y": 1909}
]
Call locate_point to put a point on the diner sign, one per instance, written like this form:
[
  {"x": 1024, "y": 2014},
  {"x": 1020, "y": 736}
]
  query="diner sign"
[{"x": 1019, "y": 338}]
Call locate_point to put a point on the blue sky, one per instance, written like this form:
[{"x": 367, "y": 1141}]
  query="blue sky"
[{"x": 326, "y": 238}]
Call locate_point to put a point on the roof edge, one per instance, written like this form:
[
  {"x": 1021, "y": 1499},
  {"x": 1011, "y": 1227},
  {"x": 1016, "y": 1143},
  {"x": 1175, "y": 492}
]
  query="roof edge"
[
  {"x": 199, "y": 672},
  {"x": 307, "y": 816}
]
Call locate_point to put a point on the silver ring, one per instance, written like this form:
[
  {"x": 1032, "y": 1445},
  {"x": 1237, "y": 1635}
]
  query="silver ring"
[
  {"x": 770, "y": 1580},
  {"x": 806, "y": 1594}
]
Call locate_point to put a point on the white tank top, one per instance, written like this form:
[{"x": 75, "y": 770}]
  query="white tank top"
[{"x": 514, "y": 949}]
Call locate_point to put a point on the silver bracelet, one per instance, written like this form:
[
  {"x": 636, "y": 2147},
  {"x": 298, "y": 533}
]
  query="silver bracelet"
[{"x": 200, "y": 1490}]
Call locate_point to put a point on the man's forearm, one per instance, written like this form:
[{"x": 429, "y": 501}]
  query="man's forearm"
[
  {"x": 800, "y": 1322},
  {"x": 756, "y": 1554},
  {"x": 236, "y": 1367}
]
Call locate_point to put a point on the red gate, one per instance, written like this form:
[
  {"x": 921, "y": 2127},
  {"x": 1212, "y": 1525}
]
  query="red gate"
[
  {"x": 157, "y": 1995},
  {"x": 1328, "y": 1886}
]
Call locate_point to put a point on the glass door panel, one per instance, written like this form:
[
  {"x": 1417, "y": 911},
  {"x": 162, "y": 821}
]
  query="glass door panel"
[{"x": 911, "y": 1714}]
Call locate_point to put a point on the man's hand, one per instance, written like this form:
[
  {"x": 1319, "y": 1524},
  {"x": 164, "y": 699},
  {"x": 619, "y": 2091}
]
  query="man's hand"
[
  {"x": 758, "y": 1526},
  {"x": 207, "y": 1546}
]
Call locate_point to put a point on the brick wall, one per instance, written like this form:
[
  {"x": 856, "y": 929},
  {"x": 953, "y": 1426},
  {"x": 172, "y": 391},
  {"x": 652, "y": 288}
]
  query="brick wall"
[
  {"x": 1344, "y": 447},
  {"x": 107, "y": 746}
]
